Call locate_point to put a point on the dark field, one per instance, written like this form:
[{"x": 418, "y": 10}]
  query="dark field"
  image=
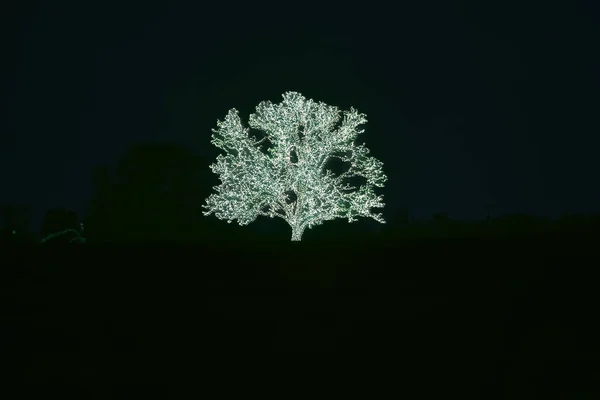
[{"x": 495, "y": 318}]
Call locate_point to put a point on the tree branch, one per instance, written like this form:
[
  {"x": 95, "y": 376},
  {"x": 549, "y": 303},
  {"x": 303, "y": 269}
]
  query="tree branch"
[
  {"x": 324, "y": 160},
  {"x": 261, "y": 140},
  {"x": 348, "y": 174},
  {"x": 273, "y": 214}
]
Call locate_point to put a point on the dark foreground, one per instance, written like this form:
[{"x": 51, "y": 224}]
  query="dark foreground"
[{"x": 484, "y": 319}]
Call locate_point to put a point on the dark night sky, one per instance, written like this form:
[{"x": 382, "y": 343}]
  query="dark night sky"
[{"x": 468, "y": 103}]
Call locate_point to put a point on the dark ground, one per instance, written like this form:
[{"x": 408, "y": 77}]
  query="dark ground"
[{"x": 491, "y": 318}]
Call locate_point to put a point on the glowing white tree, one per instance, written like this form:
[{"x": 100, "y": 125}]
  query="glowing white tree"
[{"x": 289, "y": 180}]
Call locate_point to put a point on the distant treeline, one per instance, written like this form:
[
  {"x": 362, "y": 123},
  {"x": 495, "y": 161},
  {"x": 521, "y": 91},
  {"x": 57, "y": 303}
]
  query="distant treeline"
[
  {"x": 64, "y": 226},
  {"x": 156, "y": 192}
]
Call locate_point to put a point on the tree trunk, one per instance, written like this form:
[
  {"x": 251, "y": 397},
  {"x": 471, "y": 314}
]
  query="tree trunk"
[{"x": 297, "y": 233}]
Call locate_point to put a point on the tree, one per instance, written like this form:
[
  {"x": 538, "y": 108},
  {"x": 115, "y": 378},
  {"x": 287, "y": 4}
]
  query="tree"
[
  {"x": 289, "y": 180},
  {"x": 61, "y": 226},
  {"x": 153, "y": 193}
]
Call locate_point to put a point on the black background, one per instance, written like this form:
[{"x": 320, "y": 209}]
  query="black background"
[{"x": 476, "y": 110}]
